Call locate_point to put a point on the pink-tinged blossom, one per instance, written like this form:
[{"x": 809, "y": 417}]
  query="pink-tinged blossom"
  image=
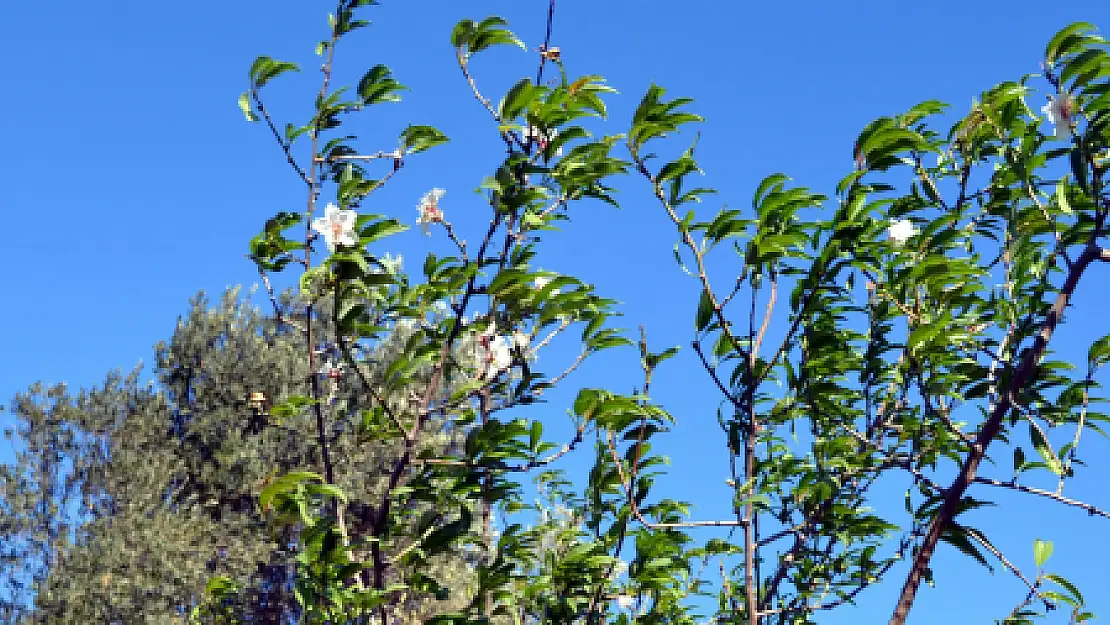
[
  {"x": 429, "y": 210},
  {"x": 1059, "y": 110},
  {"x": 336, "y": 226}
]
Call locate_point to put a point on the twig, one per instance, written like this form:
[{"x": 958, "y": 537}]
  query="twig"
[
  {"x": 735, "y": 401},
  {"x": 356, "y": 157},
  {"x": 531, "y": 464},
  {"x": 636, "y": 509},
  {"x": 1090, "y": 509},
  {"x": 285, "y": 146},
  {"x": 273, "y": 301},
  {"x": 1006, "y": 563},
  {"x": 463, "y": 65}
]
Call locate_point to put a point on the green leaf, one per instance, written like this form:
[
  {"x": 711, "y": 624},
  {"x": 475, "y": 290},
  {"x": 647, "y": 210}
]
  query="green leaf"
[
  {"x": 1062, "y": 197},
  {"x": 378, "y": 85},
  {"x": 1066, "y": 40},
  {"x": 1045, "y": 450},
  {"x": 245, "y": 106},
  {"x": 327, "y": 490},
  {"x": 1099, "y": 353},
  {"x": 516, "y": 99},
  {"x": 491, "y": 32},
  {"x": 958, "y": 537},
  {"x": 379, "y": 230},
  {"x": 462, "y": 33},
  {"x": 1079, "y": 168},
  {"x": 477, "y": 37},
  {"x": 705, "y": 311},
  {"x": 1068, "y": 585},
  {"x": 771, "y": 184},
  {"x": 534, "y": 436},
  {"x": 420, "y": 138},
  {"x": 1042, "y": 550},
  {"x": 264, "y": 69}
]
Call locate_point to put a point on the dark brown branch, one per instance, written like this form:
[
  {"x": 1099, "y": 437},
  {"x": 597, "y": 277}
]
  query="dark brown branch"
[{"x": 990, "y": 430}]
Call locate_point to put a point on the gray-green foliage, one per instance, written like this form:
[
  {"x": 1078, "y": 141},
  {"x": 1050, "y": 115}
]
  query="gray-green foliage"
[{"x": 124, "y": 500}]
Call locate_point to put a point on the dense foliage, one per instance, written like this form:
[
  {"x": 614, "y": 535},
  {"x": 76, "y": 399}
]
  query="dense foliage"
[{"x": 918, "y": 303}]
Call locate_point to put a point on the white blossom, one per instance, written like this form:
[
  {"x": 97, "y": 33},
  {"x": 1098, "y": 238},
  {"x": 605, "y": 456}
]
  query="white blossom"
[
  {"x": 392, "y": 264},
  {"x": 493, "y": 353},
  {"x": 541, "y": 282},
  {"x": 500, "y": 357},
  {"x": 1059, "y": 111},
  {"x": 336, "y": 226},
  {"x": 901, "y": 230},
  {"x": 331, "y": 369},
  {"x": 625, "y": 602},
  {"x": 522, "y": 341},
  {"x": 620, "y": 567},
  {"x": 429, "y": 210},
  {"x": 533, "y": 134}
]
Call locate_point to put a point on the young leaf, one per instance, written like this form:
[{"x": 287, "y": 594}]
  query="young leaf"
[
  {"x": 245, "y": 106},
  {"x": 1042, "y": 549}
]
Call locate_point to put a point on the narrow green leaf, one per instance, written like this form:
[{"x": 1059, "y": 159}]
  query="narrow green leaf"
[
  {"x": 1079, "y": 168},
  {"x": 705, "y": 311},
  {"x": 1045, "y": 450},
  {"x": 1062, "y": 197},
  {"x": 1068, "y": 585}
]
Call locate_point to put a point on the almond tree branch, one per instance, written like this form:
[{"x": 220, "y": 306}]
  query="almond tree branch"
[{"x": 990, "y": 430}]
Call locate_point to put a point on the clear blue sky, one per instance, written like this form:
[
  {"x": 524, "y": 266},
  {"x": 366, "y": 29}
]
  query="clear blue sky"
[{"x": 132, "y": 180}]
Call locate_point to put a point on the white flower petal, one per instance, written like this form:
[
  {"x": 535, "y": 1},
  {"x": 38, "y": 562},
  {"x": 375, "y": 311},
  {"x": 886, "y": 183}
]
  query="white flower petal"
[{"x": 901, "y": 230}]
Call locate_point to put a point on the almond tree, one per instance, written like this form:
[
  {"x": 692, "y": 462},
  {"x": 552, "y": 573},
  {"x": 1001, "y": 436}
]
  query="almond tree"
[{"x": 919, "y": 302}]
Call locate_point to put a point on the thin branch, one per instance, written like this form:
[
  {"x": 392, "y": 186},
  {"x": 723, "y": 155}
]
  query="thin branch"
[
  {"x": 735, "y": 401},
  {"x": 463, "y": 65},
  {"x": 636, "y": 508},
  {"x": 850, "y": 595},
  {"x": 356, "y": 157},
  {"x": 699, "y": 256},
  {"x": 273, "y": 301},
  {"x": 531, "y": 464},
  {"x": 574, "y": 365},
  {"x": 286, "y": 148},
  {"x": 373, "y": 393},
  {"x": 1006, "y": 563},
  {"x": 766, "y": 317},
  {"x": 1090, "y": 509},
  {"x": 1078, "y": 428},
  {"x": 546, "y": 41}
]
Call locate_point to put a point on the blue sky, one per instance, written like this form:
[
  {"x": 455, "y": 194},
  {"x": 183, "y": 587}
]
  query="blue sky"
[{"x": 133, "y": 180}]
